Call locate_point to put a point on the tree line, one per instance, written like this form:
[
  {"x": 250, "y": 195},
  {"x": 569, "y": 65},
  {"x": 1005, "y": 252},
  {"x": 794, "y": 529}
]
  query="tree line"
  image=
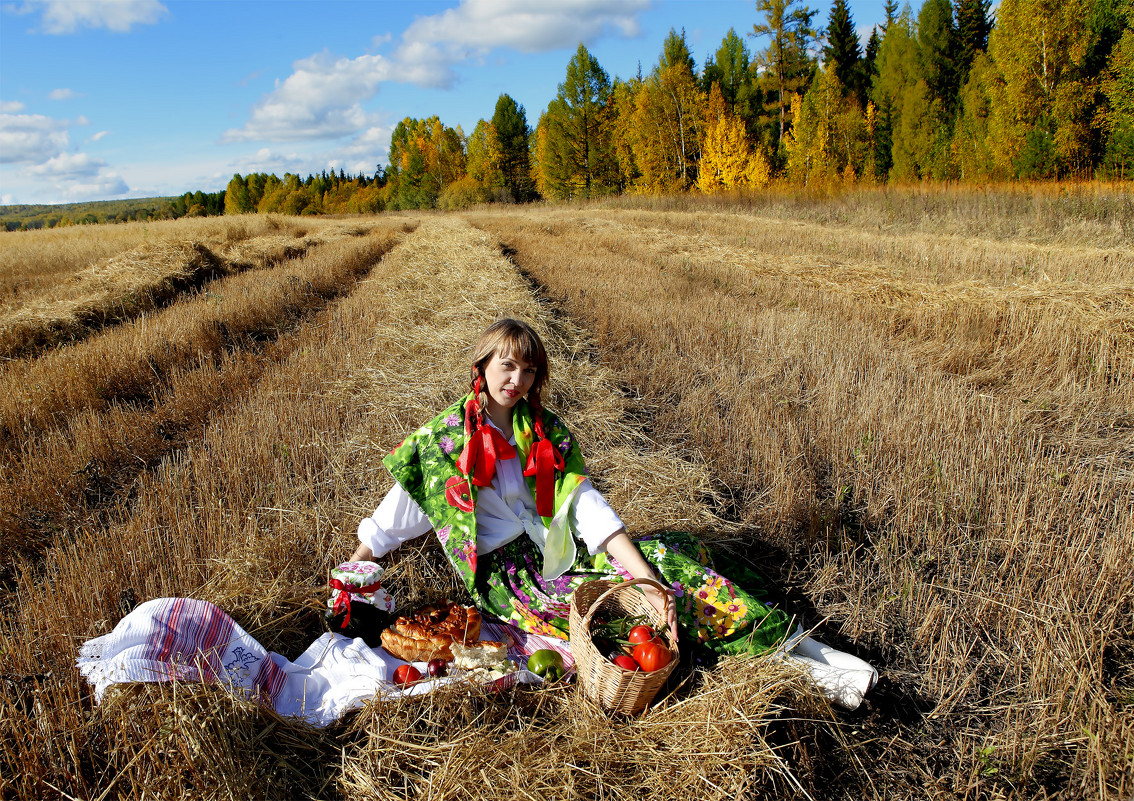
[
  {"x": 191, "y": 204},
  {"x": 1044, "y": 90}
]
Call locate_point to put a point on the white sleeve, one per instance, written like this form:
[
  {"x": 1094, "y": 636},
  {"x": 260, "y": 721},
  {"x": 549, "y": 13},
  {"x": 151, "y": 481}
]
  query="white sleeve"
[
  {"x": 592, "y": 518},
  {"x": 397, "y": 519}
]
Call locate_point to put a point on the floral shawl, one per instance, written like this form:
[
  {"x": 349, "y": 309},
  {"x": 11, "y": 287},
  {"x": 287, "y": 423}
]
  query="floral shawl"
[{"x": 425, "y": 464}]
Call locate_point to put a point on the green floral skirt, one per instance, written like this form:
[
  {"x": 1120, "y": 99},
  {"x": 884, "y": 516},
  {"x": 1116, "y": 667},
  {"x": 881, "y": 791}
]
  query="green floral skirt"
[{"x": 712, "y": 610}]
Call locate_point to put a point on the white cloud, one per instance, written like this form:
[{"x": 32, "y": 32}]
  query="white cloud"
[
  {"x": 68, "y": 166},
  {"x": 62, "y": 94},
  {"x": 529, "y": 26},
  {"x": 68, "y": 16},
  {"x": 264, "y": 160},
  {"x": 104, "y": 187},
  {"x": 10, "y": 106},
  {"x": 319, "y": 100},
  {"x": 97, "y": 136},
  {"x": 31, "y": 138},
  {"x": 8, "y": 200},
  {"x": 431, "y": 45},
  {"x": 365, "y": 152},
  {"x": 323, "y": 97},
  {"x": 41, "y": 148},
  {"x": 863, "y": 33}
]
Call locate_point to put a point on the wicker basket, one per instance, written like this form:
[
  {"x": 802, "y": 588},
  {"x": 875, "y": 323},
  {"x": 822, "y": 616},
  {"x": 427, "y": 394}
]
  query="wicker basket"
[{"x": 616, "y": 689}]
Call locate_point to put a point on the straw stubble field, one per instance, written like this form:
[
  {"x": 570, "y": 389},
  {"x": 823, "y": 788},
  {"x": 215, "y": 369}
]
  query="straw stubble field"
[{"x": 924, "y": 437}]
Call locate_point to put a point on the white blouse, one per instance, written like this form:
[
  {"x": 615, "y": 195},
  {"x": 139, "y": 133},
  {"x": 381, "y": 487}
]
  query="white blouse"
[{"x": 504, "y": 511}]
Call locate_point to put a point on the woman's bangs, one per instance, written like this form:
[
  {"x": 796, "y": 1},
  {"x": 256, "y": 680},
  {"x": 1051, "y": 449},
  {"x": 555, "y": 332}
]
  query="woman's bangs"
[{"x": 519, "y": 344}]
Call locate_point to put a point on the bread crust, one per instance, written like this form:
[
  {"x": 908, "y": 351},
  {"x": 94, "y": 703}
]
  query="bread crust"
[{"x": 430, "y": 631}]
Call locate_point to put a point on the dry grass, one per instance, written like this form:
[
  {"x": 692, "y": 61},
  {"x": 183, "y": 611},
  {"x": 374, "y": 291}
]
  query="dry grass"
[
  {"x": 146, "y": 277},
  {"x": 34, "y": 261},
  {"x": 947, "y": 452},
  {"x": 257, "y": 506},
  {"x": 1063, "y": 214}
]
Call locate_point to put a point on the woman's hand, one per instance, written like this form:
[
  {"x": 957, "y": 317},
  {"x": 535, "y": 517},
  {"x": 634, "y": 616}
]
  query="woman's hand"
[
  {"x": 656, "y": 598},
  {"x": 623, "y": 549},
  {"x": 362, "y": 554}
]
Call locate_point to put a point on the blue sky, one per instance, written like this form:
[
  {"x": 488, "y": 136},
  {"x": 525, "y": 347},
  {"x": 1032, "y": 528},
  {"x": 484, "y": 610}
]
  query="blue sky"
[{"x": 104, "y": 99}]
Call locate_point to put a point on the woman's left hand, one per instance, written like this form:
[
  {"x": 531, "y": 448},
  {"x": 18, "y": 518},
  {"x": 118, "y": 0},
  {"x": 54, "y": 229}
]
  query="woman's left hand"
[
  {"x": 622, "y": 548},
  {"x": 659, "y": 603}
]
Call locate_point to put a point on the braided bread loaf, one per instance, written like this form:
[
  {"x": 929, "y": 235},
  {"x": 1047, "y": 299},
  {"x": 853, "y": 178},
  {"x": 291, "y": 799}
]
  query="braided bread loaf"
[{"x": 430, "y": 631}]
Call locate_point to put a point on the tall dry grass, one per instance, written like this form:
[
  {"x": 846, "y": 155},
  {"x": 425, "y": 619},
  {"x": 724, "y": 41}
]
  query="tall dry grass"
[
  {"x": 34, "y": 261},
  {"x": 1067, "y": 213},
  {"x": 947, "y": 455},
  {"x": 256, "y": 509}
]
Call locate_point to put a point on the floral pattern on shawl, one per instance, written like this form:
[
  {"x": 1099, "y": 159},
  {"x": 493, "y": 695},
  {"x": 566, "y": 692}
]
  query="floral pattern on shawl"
[{"x": 425, "y": 464}]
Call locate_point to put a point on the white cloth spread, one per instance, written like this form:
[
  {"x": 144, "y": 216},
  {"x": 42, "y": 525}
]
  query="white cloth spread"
[
  {"x": 504, "y": 511},
  {"x": 184, "y": 639}
]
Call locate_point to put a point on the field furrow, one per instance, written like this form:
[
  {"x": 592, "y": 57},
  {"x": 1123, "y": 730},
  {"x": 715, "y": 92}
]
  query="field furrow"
[
  {"x": 82, "y": 422},
  {"x": 971, "y": 518}
]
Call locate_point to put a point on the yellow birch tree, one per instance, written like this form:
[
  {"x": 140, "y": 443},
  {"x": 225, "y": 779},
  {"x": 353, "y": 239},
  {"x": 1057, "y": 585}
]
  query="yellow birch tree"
[{"x": 727, "y": 159}]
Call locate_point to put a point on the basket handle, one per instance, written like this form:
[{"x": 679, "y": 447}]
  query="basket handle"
[{"x": 665, "y": 593}]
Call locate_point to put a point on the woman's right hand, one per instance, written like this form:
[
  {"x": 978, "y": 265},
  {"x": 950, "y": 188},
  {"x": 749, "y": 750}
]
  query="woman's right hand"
[{"x": 362, "y": 554}]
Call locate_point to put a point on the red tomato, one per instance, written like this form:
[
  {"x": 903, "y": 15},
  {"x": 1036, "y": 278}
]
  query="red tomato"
[
  {"x": 640, "y": 634},
  {"x": 651, "y": 655},
  {"x": 405, "y": 675},
  {"x": 625, "y": 662}
]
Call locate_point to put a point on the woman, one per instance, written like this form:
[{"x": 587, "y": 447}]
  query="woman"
[{"x": 502, "y": 482}]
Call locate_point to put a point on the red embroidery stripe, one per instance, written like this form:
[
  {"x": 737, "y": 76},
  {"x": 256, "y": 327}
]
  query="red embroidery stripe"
[{"x": 169, "y": 634}]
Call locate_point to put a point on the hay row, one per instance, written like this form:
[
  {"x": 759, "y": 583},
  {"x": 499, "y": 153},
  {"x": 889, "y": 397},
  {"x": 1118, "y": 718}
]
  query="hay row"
[
  {"x": 1059, "y": 215},
  {"x": 127, "y": 362},
  {"x": 1057, "y": 357},
  {"x": 893, "y": 272}
]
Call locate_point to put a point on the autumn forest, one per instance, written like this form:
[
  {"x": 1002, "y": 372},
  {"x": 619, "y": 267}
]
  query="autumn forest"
[{"x": 954, "y": 92}]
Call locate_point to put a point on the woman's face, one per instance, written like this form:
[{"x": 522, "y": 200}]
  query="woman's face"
[{"x": 508, "y": 379}]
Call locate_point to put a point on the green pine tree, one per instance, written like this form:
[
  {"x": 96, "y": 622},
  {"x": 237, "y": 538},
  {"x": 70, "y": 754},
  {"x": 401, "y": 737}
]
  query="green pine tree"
[
  {"x": 675, "y": 52},
  {"x": 896, "y": 95},
  {"x": 973, "y": 27},
  {"x": 578, "y": 158},
  {"x": 842, "y": 51},
  {"x": 1118, "y": 87},
  {"x": 937, "y": 49},
  {"x": 890, "y": 10},
  {"x": 869, "y": 63},
  {"x": 510, "y": 124},
  {"x": 789, "y": 66}
]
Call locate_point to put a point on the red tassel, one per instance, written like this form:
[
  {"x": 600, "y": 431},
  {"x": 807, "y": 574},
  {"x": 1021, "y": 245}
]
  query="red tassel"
[{"x": 543, "y": 460}]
